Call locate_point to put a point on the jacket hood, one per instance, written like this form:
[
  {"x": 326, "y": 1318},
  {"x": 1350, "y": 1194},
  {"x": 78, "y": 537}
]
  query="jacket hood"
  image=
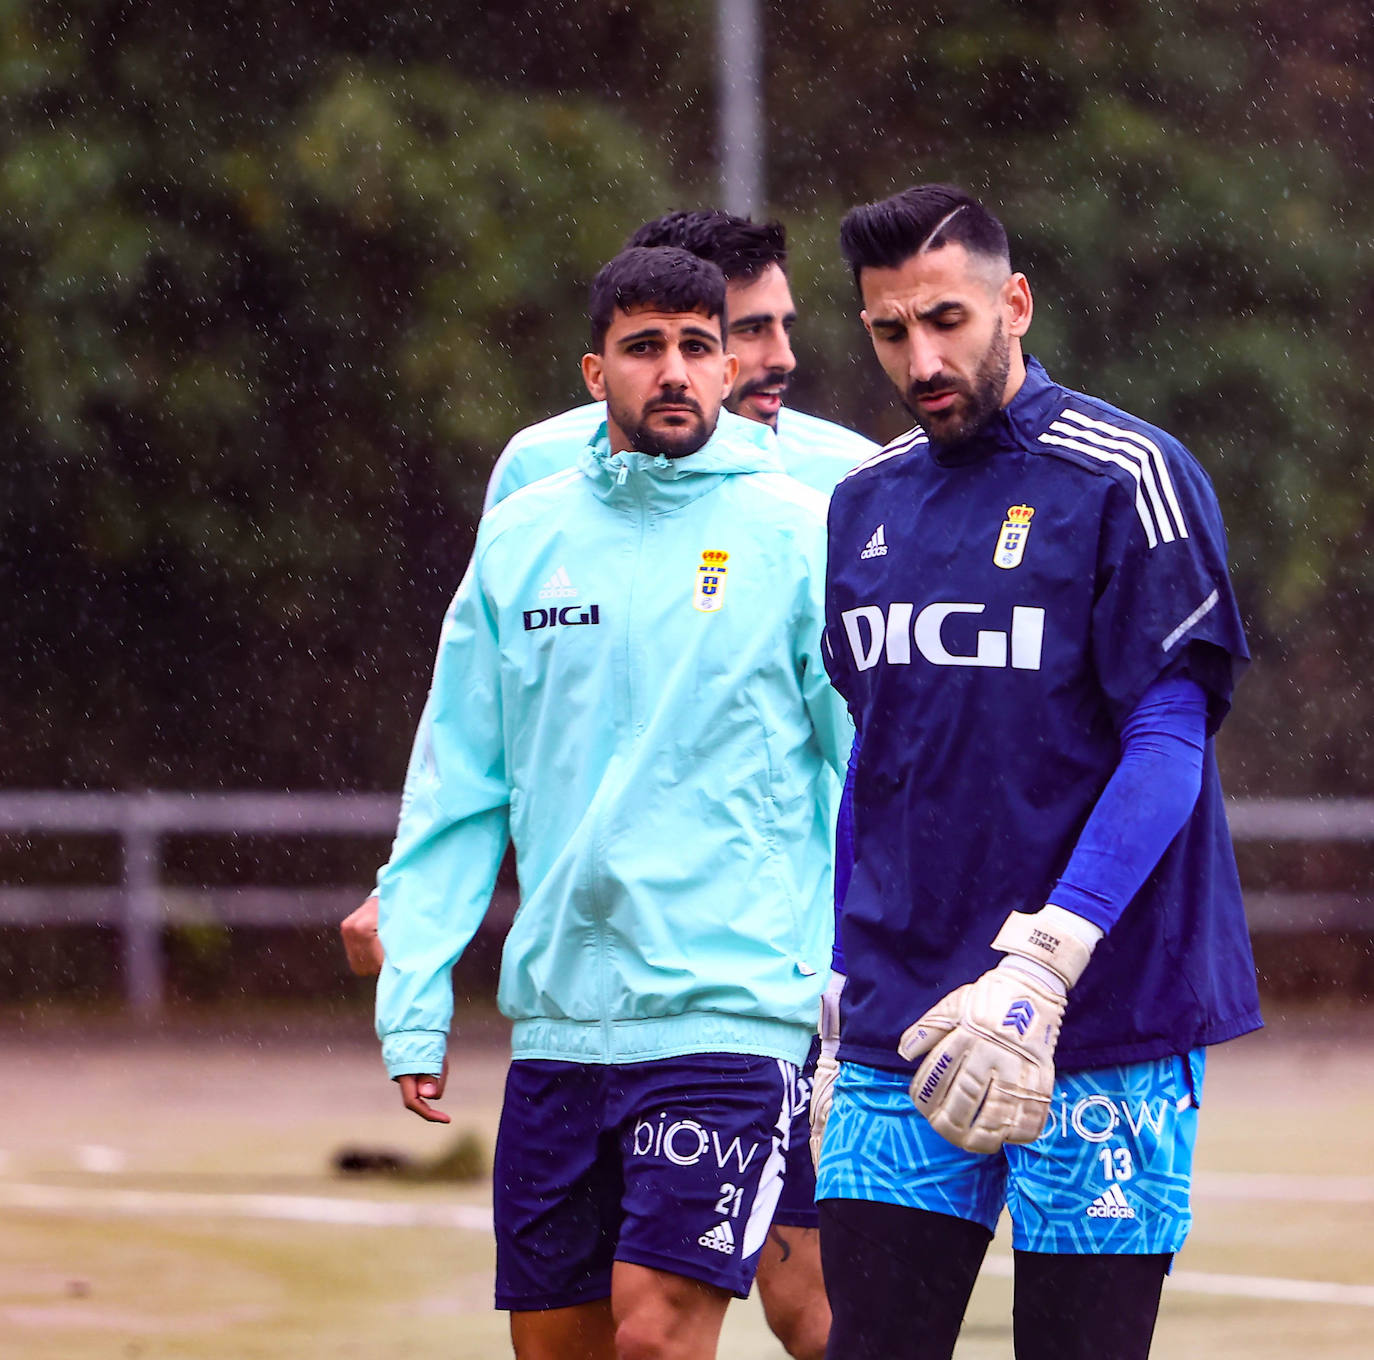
[{"x": 737, "y": 446}]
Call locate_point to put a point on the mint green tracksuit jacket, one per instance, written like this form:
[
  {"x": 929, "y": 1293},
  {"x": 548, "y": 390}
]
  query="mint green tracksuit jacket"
[{"x": 629, "y": 685}]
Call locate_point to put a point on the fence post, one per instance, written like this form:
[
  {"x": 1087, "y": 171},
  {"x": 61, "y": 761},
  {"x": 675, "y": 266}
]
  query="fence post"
[{"x": 142, "y": 925}]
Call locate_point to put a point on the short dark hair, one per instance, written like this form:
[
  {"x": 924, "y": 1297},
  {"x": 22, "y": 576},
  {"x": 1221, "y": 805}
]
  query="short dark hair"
[
  {"x": 740, "y": 248},
  {"x": 884, "y": 235},
  {"x": 675, "y": 280}
]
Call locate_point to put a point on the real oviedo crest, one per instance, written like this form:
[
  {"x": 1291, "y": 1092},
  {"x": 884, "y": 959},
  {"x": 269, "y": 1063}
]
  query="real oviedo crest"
[
  {"x": 1011, "y": 542},
  {"x": 710, "y": 591}
]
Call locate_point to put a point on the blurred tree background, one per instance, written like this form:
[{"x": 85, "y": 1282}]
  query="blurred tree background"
[{"x": 278, "y": 280}]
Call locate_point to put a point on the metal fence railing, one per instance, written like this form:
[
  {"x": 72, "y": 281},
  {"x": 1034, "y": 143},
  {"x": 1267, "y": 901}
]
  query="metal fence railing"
[{"x": 142, "y": 905}]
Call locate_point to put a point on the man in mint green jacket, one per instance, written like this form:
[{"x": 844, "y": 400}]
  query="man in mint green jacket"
[
  {"x": 629, "y": 686},
  {"x": 760, "y": 318}
]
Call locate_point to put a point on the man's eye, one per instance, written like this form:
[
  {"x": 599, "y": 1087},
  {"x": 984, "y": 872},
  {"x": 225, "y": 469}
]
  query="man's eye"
[{"x": 752, "y": 329}]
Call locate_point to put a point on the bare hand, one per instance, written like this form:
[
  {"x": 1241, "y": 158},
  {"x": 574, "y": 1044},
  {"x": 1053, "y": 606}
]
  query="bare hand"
[
  {"x": 360, "y": 942},
  {"x": 418, "y": 1091}
]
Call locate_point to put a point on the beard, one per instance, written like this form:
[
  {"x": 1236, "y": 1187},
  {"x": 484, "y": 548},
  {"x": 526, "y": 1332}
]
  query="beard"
[
  {"x": 977, "y": 401},
  {"x": 685, "y": 435}
]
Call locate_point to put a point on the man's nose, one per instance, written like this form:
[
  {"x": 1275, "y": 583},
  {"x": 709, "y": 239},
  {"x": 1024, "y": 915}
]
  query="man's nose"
[
  {"x": 673, "y": 370},
  {"x": 778, "y": 357},
  {"x": 923, "y": 359}
]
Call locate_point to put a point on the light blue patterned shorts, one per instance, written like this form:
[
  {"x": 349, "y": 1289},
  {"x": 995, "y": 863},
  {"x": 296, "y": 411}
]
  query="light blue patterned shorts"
[{"x": 1111, "y": 1174}]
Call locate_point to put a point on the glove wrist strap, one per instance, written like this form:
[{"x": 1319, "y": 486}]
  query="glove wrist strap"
[
  {"x": 1037, "y": 972},
  {"x": 1047, "y": 938},
  {"x": 829, "y": 1028}
]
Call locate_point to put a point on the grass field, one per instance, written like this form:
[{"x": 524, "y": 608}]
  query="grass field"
[{"x": 170, "y": 1197}]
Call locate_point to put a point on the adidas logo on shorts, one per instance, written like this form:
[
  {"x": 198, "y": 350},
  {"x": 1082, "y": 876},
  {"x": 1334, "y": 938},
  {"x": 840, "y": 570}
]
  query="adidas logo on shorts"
[
  {"x": 720, "y": 1238},
  {"x": 877, "y": 545},
  {"x": 1111, "y": 1204}
]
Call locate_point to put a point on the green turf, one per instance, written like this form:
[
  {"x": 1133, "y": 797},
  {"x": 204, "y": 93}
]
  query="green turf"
[{"x": 230, "y": 1118}]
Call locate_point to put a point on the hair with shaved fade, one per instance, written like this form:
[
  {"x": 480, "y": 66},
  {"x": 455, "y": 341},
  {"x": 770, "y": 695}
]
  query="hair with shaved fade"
[
  {"x": 741, "y": 249},
  {"x": 671, "y": 279},
  {"x": 886, "y": 234}
]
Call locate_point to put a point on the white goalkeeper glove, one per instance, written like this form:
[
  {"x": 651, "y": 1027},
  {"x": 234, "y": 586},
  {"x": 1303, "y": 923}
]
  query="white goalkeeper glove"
[
  {"x": 989, "y": 1045},
  {"x": 827, "y": 1065}
]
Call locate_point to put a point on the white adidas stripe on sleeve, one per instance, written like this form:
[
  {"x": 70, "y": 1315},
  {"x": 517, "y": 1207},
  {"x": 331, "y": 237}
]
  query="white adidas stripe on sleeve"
[
  {"x": 905, "y": 444},
  {"x": 1156, "y": 500}
]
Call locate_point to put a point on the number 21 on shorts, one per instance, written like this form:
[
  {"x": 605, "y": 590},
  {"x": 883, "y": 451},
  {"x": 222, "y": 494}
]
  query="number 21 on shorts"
[{"x": 731, "y": 1197}]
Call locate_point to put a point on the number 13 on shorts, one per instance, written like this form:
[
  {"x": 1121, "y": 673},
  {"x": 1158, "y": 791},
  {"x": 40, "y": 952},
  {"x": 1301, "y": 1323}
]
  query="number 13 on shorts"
[{"x": 1116, "y": 1164}]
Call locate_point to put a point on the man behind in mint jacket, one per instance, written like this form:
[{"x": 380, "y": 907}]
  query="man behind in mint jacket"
[{"x": 629, "y": 687}]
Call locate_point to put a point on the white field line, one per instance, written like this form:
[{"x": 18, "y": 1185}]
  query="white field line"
[
  {"x": 477, "y": 1218},
  {"x": 1317, "y": 1189},
  {"x": 1268, "y": 1287},
  {"x": 293, "y": 1208}
]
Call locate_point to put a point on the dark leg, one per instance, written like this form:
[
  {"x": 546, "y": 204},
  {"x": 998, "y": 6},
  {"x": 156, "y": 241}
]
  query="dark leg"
[
  {"x": 1086, "y": 1307},
  {"x": 898, "y": 1279}
]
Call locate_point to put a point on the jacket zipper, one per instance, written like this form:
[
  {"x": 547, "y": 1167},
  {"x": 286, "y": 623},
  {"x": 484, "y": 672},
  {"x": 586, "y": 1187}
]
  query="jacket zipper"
[{"x": 604, "y": 970}]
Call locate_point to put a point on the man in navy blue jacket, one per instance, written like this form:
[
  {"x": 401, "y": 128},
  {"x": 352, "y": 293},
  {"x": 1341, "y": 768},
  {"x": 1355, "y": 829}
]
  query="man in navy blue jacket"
[{"x": 1029, "y": 614}]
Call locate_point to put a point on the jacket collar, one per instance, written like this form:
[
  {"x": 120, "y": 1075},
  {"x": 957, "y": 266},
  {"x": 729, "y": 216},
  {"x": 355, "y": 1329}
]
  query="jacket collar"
[
  {"x": 1029, "y": 412},
  {"x": 736, "y": 447}
]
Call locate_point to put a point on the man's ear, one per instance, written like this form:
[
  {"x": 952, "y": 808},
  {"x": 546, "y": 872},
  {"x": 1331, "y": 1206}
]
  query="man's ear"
[
  {"x": 863, "y": 316},
  {"x": 593, "y": 376},
  {"x": 731, "y": 373},
  {"x": 1016, "y": 298}
]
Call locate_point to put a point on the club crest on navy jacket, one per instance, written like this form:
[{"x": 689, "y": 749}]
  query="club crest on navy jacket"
[{"x": 994, "y": 611}]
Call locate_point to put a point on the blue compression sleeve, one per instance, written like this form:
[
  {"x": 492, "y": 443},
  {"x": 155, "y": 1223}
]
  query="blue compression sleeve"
[
  {"x": 844, "y": 850},
  {"x": 1144, "y": 806}
]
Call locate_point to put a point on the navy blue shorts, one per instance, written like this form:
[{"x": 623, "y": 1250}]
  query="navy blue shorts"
[
  {"x": 797, "y": 1206},
  {"x": 676, "y": 1165}
]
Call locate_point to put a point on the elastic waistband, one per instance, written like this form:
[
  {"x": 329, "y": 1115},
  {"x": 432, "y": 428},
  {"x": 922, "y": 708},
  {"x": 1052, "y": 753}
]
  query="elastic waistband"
[{"x": 670, "y": 1036}]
